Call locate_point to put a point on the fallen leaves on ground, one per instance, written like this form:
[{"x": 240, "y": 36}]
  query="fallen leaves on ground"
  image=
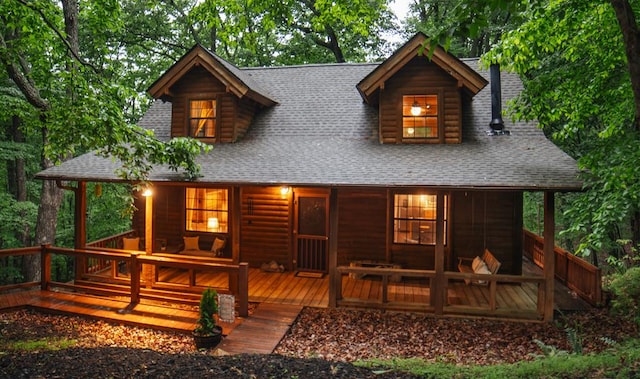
[
  {"x": 347, "y": 335},
  {"x": 321, "y": 343}
]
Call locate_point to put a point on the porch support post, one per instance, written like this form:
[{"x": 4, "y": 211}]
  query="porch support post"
[
  {"x": 335, "y": 282},
  {"x": 236, "y": 211},
  {"x": 148, "y": 270},
  {"x": 80, "y": 216},
  {"x": 80, "y": 226},
  {"x": 549, "y": 255},
  {"x": 439, "y": 287}
]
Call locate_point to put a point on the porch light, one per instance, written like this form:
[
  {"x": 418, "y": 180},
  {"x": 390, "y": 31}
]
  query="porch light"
[
  {"x": 284, "y": 190},
  {"x": 213, "y": 223},
  {"x": 416, "y": 109},
  {"x": 147, "y": 192}
]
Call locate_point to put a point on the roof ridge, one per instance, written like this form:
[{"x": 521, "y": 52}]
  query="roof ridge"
[{"x": 308, "y": 65}]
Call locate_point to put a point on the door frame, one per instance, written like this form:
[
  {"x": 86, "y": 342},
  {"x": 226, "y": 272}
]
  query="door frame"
[{"x": 302, "y": 192}]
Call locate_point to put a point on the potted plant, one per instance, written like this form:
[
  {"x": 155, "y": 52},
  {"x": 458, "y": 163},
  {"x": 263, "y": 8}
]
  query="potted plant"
[{"x": 207, "y": 333}]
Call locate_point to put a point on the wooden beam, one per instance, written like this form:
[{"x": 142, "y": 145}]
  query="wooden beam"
[
  {"x": 80, "y": 216},
  {"x": 439, "y": 283},
  {"x": 148, "y": 270},
  {"x": 549, "y": 255},
  {"x": 335, "y": 280},
  {"x": 236, "y": 211}
]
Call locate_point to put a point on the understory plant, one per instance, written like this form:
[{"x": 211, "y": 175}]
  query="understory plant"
[
  {"x": 206, "y": 324},
  {"x": 625, "y": 292}
]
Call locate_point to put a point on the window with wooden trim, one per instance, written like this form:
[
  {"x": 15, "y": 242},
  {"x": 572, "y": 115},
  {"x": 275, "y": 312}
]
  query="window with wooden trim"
[
  {"x": 207, "y": 210},
  {"x": 419, "y": 116},
  {"x": 414, "y": 219},
  {"x": 202, "y": 118}
]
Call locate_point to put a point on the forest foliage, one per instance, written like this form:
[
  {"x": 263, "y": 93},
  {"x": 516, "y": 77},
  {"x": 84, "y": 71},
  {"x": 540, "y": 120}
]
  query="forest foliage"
[{"x": 73, "y": 80}]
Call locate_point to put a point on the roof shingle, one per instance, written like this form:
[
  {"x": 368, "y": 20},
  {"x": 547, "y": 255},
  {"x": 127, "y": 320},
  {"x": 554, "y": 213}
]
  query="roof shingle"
[{"x": 322, "y": 134}]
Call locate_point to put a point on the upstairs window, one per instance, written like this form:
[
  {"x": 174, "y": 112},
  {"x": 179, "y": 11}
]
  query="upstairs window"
[
  {"x": 202, "y": 118},
  {"x": 414, "y": 219},
  {"x": 207, "y": 210},
  {"x": 419, "y": 116}
]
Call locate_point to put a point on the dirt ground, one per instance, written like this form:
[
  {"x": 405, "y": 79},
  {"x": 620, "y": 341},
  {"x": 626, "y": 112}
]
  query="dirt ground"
[{"x": 321, "y": 343}]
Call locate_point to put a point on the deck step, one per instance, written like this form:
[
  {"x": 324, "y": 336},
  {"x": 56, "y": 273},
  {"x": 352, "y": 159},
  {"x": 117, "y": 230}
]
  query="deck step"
[{"x": 262, "y": 332}]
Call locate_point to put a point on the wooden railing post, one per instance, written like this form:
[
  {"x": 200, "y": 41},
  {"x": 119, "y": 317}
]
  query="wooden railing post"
[
  {"x": 135, "y": 279},
  {"x": 493, "y": 284},
  {"x": 45, "y": 267},
  {"x": 243, "y": 289}
]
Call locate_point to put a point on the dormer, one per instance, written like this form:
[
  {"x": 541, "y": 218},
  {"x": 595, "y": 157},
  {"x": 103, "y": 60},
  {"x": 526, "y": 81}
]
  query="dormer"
[
  {"x": 212, "y": 100},
  {"x": 419, "y": 95}
]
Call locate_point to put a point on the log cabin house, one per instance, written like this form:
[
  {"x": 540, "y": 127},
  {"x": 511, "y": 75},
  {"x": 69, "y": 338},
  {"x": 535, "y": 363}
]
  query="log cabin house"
[{"x": 334, "y": 168}]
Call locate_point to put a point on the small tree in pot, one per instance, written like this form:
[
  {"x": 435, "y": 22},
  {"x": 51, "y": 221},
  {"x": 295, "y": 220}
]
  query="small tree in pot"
[{"x": 207, "y": 333}]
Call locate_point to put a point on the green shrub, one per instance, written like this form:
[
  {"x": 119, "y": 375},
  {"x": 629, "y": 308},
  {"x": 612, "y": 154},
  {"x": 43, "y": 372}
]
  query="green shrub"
[{"x": 625, "y": 291}]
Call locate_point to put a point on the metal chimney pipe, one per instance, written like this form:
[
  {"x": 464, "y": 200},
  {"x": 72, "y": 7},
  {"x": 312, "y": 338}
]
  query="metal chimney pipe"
[{"x": 496, "y": 123}]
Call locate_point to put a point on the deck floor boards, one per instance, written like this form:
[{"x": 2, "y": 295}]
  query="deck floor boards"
[{"x": 280, "y": 296}]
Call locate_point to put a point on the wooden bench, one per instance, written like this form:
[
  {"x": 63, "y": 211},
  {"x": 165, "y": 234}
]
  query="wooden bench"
[
  {"x": 492, "y": 264},
  {"x": 392, "y": 278}
]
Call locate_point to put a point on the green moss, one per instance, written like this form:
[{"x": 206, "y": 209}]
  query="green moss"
[{"x": 36, "y": 345}]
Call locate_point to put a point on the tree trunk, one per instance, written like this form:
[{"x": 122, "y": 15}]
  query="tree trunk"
[
  {"x": 18, "y": 180},
  {"x": 631, "y": 36}
]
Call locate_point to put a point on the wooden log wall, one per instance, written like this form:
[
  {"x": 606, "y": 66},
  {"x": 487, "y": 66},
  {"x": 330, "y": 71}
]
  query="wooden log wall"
[
  {"x": 419, "y": 77},
  {"x": 491, "y": 219},
  {"x": 362, "y": 227},
  {"x": 233, "y": 118},
  {"x": 265, "y": 226}
]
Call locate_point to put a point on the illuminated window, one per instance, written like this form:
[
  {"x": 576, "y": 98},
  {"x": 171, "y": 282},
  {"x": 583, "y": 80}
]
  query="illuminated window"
[
  {"x": 202, "y": 118},
  {"x": 420, "y": 116},
  {"x": 414, "y": 219},
  {"x": 207, "y": 210}
]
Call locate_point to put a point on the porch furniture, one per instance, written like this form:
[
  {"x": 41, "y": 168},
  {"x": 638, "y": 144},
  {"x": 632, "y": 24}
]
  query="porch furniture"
[
  {"x": 487, "y": 264},
  {"x": 193, "y": 246},
  {"x": 392, "y": 278}
]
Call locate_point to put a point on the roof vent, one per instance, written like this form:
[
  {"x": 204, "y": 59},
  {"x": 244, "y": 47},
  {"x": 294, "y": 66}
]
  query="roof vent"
[{"x": 496, "y": 124}]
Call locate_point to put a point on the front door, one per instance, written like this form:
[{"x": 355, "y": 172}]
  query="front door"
[{"x": 311, "y": 230}]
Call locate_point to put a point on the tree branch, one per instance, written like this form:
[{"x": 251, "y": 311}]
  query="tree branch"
[{"x": 62, "y": 38}]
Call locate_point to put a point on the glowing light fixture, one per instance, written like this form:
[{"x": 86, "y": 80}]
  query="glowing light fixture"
[
  {"x": 284, "y": 190},
  {"x": 410, "y": 131},
  {"x": 213, "y": 223},
  {"x": 416, "y": 109},
  {"x": 147, "y": 192}
]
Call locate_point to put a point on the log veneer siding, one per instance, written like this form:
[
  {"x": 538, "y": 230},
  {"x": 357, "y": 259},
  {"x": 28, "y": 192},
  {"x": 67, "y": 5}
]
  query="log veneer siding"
[
  {"x": 265, "y": 226},
  {"x": 234, "y": 116},
  {"x": 421, "y": 77}
]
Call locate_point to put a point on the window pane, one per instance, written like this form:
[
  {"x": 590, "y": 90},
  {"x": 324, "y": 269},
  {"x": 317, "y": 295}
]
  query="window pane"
[
  {"x": 420, "y": 116},
  {"x": 415, "y": 218},
  {"x": 207, "y": 210},
  {"x": 202, "y": 118}
]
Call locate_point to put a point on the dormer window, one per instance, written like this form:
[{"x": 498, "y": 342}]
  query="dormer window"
[
  {"x": 202, "y": 118},
  {"x": 419, "y": 116}
]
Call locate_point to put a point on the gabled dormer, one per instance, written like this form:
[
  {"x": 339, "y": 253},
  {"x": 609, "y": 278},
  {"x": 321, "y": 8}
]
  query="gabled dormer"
[
  {"x": 419, "y": 97},
  {"x": 212, "y": 100}
]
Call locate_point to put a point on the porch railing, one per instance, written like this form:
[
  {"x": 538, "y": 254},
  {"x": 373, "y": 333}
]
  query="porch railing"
[
  {"x": 135, "y": 286},
  {"x": 575, "y": 273},
  {"x": 93, "y": 265},
  {"x": 504, "y": 296}
]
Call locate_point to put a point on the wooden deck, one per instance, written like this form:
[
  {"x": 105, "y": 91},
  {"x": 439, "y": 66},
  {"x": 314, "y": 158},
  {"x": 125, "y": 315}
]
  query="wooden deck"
[
  {"x": 289, "y": 288},
  {"x": 258, "y": 334},
  {"x": 280, "y": 298}
]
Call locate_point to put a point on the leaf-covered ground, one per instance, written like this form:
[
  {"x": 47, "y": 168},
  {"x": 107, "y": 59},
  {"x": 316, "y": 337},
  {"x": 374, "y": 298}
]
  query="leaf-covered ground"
[{"x": 321, "y": 343}]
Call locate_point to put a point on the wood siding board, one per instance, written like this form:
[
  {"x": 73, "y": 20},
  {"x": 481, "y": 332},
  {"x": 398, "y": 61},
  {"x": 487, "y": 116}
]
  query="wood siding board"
[
  {"x": 362, "y": 225},
  {"x": 265, "y": 227}
]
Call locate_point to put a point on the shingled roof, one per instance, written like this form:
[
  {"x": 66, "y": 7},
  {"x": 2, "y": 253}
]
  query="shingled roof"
[{"x": 321, "y": 133}]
